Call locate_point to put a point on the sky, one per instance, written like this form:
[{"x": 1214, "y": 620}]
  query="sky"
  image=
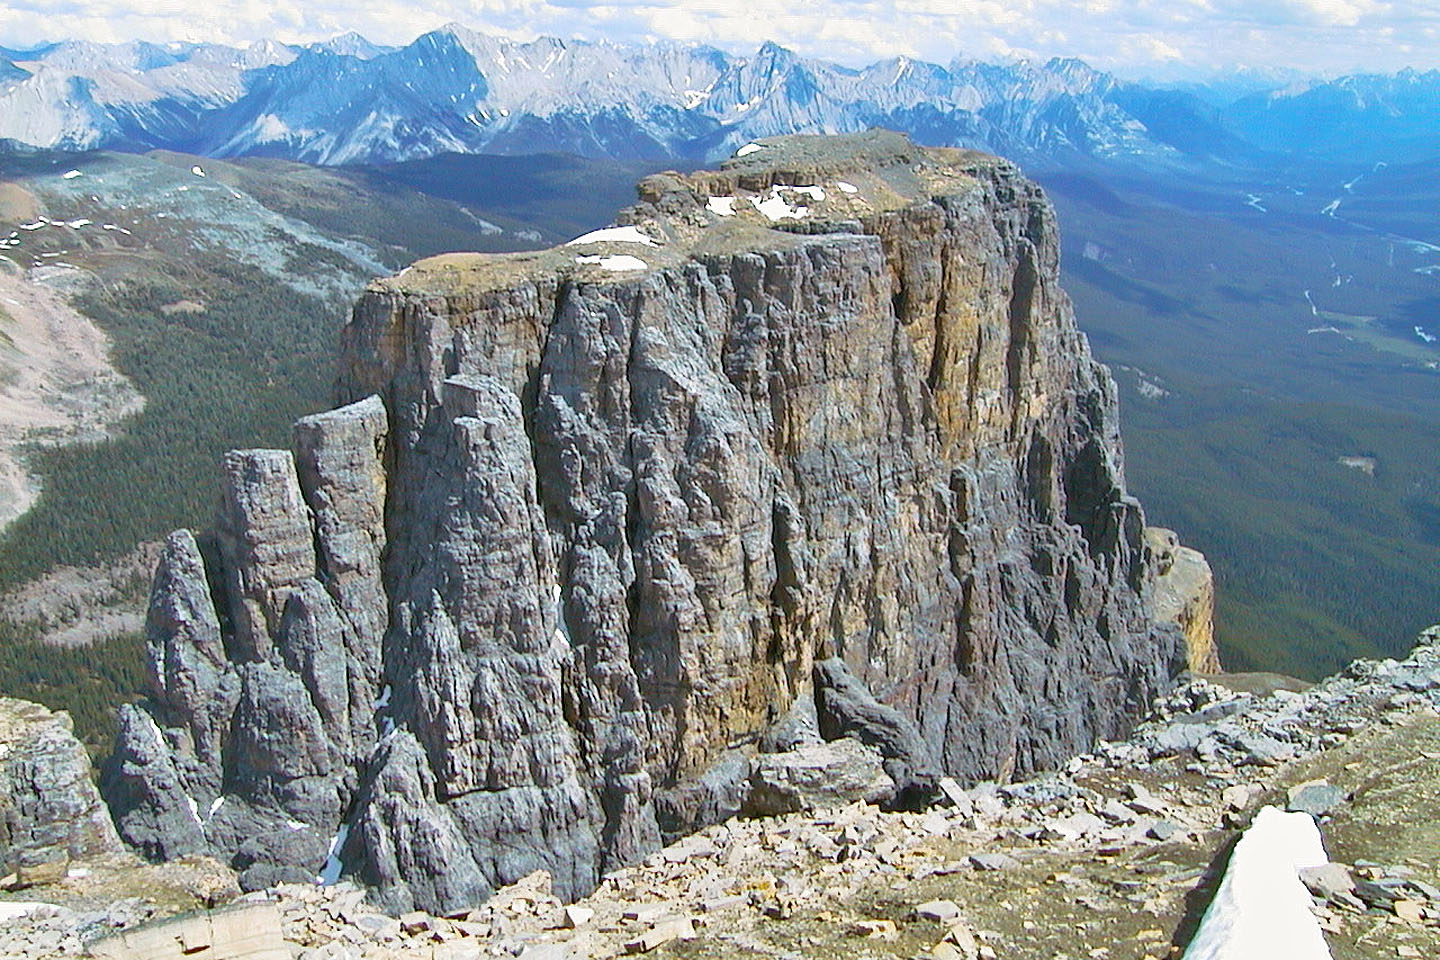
[{"x": 1162, "y": 39}]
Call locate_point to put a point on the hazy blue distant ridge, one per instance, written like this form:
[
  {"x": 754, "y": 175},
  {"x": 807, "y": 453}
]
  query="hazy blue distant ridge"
[{"x": 456, "y": 90}]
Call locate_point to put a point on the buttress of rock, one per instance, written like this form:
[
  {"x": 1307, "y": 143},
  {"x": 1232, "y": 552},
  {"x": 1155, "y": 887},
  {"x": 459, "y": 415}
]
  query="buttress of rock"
[
  {"x": 602, "y": 522},
  {"x": 50, "y": 811},
  {"x": 1185, "y": 596},
  {"x": 264, "y": 704}
]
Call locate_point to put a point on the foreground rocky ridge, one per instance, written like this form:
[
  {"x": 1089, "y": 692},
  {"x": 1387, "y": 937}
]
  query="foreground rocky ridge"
[
  {"x": 1114, "y": 856},
  {"x": 830, "y": 463}
]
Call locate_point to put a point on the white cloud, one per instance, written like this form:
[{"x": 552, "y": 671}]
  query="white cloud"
[{"x": 1129, "y": 35}]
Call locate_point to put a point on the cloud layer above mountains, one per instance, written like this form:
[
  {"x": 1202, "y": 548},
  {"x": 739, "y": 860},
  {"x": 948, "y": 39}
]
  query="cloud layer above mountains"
[{"x": 1136, "y": 37}]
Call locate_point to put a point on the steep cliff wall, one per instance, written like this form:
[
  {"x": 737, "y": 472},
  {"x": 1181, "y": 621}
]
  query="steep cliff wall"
[{"x": 592, "y": 515}]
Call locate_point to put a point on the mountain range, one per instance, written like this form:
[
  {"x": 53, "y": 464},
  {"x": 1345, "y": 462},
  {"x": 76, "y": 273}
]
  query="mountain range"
[{"x": 456, "y": 90}]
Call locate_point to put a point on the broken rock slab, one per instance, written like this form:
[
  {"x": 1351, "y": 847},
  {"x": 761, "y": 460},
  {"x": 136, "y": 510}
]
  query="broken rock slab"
[
  {"x": 817, "y": 776},
  {"x": 246, "y": 931}
]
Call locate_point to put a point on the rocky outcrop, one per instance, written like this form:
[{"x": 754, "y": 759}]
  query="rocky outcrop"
[
  {"x": 50, "y": 811},
  {"x": 264, "y": 703},
  {"x": 592, "y": 517},
  {"x": 1185, "y": 596}
]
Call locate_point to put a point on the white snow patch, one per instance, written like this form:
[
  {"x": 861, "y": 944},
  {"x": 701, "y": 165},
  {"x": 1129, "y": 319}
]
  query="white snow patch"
[
  {"x": 269, "y": 128},
  {"x": 814, "y": 193},
  {"x": 197, "y": 170},
  {"x": 721, "y": 206},
  {"x": 1329, "y": 209},
  {"x": 613, "y": 235},
  {"x": 71, "y": 175},
  {"x": 1314, "y": 311},
  {"x": 748, "y": 149},
  {"x": 1253, "y": 200},
  {"x": 383, "y": 700},
  {"x": 1427, "y": 337},
  {"x": 33, "y": 226},
  {"x": 16, "y": 909},
  {"x": 330, "y": 870},
  {"x": 194, "y": 809},
  {"x": 77, "y": 873},
  {"x": 1261, "y": 908},
  {"x": 845, "y": 187},
  {"x": 77, "y": 224},
  {"x": 295, "y": 825},
  {"x": 775, "y": 207},
  {"x": 1324, "y": 330},
  {"x": 618, "y": 262}
]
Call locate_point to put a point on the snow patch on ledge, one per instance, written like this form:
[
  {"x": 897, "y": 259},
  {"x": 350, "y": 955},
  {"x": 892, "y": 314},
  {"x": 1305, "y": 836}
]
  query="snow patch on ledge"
[
  {"x": 618, "y": 262},
  {"x": 330, "y": 871},
  {"x": 748, "y": 149},
  {"x": 1262, "y": 908},
  {"x": 613, "y": 235},
  {"x": 776, "y": 207},
  {"x": 721, "y": 206}
]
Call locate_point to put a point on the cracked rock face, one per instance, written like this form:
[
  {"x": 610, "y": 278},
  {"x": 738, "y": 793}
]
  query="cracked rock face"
[
  {"x": 584, "y": 530},
  {"x": 50, "y": 811}
]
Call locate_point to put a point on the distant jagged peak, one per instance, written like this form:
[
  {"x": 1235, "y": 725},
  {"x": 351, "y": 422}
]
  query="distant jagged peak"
[{"x": 351, "y": 44}]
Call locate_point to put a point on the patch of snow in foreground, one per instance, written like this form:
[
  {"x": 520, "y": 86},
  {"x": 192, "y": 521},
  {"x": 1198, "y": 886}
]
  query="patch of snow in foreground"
[
  {"x": 845, "y": 187},
  {"x": 197, "y": 171},
  {"x": 16, "y": 909},
  {"x": 621, "y": 261},
  {"x": 1262, "y": 909},
  {"x": 71, "y": 175},
  {"x": 748, "y": 149},
  {"x": 814, "y": 193},
  {"x": 721, "y": 206},
  {"x": 613, "y": 235},
  {"x": 330, "y": 871}
]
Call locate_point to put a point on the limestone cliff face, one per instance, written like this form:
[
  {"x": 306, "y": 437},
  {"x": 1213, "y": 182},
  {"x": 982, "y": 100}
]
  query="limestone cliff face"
[
  {"x": 591, "y": 517},
  {"x": 1185, "y": 596}
]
